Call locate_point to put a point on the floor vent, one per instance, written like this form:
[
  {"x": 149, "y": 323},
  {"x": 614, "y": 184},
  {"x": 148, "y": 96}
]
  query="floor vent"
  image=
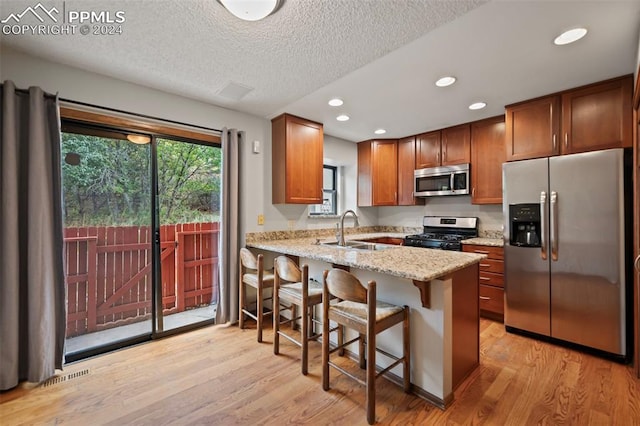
[{"x": 60, "y": 379}]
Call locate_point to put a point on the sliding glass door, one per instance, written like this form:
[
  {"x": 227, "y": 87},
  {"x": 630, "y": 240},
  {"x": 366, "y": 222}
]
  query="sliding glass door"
[
  {"x": 141, "y": 236},
  {"x": 189, "y": 211},
  {"x": 107, "y": 237}
]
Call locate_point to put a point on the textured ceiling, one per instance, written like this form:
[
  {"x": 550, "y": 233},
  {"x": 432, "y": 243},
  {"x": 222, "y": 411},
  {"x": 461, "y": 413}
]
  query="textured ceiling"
[
  {"x": 380, "y": 56},
  {"x": 195, "y": 48}
]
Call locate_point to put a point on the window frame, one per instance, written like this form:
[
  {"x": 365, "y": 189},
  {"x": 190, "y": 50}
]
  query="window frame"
[{"x": 333, "y": 194}]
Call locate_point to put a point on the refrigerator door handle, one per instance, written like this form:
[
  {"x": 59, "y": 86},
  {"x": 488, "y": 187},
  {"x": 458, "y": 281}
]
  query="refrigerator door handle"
[
  {"x": 543, "y": 225},
  {"x": 554, "y": 226}
]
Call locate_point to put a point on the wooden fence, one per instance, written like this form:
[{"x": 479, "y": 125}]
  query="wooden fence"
[{"x": 108, "y": 273}]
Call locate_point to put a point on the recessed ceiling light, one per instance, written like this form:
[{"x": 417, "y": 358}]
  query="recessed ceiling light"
[
  {"x": 380, "y": 132},
  {"x": 570, "y": 36},
  {"x": 477, "y": 105},
  {"x": 335, "y": 102},
  {"x": 342, "y": 117},
  {"x": 445, "y": 81}
]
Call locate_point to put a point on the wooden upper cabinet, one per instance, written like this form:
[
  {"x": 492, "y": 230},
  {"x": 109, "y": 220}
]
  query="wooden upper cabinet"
[
  {"x": 443, "y": 147},
  {"x": 532, "y": 129},
  {"x": 588, "y": 118},
  {"x": 456, "y": 145},
  {"x": 296, "y": 160},
  {"x": 378, "y": 173},
  {"x": 598, "y": 116},
  {"x": 406, "y": 167},
  {"x": 384, "y": 162},
  {"x": 487, "y": 156},
  {"x": 428, "y": 150}
]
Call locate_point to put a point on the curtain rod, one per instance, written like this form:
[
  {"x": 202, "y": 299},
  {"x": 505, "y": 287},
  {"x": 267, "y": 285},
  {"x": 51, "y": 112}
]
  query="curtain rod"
[
  {"x": 135, "y": 114},
  {"x": 26, "y": 91},
  {"x": 151, "y": 117}
]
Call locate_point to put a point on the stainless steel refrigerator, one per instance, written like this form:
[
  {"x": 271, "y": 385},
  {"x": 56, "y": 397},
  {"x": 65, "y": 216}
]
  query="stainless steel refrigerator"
[{"x": 566, "y": 236}]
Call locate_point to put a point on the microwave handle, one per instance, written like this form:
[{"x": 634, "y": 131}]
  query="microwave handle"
[{"x": 451, "y": 179}]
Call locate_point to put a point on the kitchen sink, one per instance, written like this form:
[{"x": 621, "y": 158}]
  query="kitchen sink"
[{"x": 358, "y": 245}]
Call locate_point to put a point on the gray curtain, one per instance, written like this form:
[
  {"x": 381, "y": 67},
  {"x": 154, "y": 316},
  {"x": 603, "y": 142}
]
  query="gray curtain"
[
  {"x": 229, "y": 229},
  {"x": 32, "y": 291}
]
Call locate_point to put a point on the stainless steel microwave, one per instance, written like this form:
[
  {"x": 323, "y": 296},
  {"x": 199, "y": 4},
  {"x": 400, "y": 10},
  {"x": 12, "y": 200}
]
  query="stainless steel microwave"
[{"x": 444, "y": 180}]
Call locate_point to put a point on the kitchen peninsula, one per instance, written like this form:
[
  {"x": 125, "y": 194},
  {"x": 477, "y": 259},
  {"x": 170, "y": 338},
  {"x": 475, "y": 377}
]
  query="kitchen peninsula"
[{"x": 440, "y": 287}]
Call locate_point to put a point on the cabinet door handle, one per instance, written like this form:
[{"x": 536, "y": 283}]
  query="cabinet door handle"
[
  {"x": 481, "y": 251},
  {"x": 554, "y": 141},
  {"x": 485, "y": 279},
  {"x": 484, "y": 298},
  {"x": 473, "y": 192},
  {"x": 637, "y": 263},
  {"x": 445, "y": 155},
  {"x": 566, "y": 140}
]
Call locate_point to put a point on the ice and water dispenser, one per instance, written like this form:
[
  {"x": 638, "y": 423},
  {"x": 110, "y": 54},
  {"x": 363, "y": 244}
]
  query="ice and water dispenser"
[{"x": 524, "y": 220}]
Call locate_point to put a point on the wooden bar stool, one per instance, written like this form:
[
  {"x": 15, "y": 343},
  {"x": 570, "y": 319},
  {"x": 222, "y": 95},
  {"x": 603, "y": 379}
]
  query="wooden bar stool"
[
  {"x": 292, "y": 286},
  {"x": 252, "y": 273},
  {"x": 359, "y": 310}
]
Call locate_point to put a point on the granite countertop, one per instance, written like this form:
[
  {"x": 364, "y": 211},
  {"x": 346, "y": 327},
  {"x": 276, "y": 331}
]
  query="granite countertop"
[
  {"x": 414, "y": 263},
  {"x": 493, "y": 242}
]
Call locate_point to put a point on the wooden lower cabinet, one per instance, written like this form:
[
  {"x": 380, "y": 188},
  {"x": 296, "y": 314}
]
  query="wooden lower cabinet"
[
  {"x": 491, "y": 280},
  {"x": 491, "y": 302}
]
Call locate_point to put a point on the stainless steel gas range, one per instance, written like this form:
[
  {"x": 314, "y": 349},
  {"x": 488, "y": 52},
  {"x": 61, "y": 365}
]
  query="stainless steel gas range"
[{"x": 444, "y": 232}]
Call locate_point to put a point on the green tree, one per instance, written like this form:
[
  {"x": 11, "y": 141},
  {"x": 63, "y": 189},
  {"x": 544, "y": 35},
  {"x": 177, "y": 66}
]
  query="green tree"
[{"x": 111, "y": 183}]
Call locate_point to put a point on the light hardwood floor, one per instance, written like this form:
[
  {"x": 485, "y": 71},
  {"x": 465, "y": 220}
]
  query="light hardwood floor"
[{"x": 222, "y": 376}]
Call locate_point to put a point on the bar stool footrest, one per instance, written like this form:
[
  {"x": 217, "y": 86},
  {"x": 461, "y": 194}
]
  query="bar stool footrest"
[
  {"x": 346, "y": 373},
  {"x": 344, "y": 345}
]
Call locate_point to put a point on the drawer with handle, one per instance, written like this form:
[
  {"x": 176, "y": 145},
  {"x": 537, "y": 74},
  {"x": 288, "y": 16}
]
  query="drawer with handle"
[
  {"x": 490, "y": 265},
  {"x": 491, "y": 299},
  {"x": 492, "y": 252},
  {"x": 489, "y": 278}
]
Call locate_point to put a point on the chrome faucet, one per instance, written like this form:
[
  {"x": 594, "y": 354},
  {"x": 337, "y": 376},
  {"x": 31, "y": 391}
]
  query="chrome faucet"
[{"x": 341, "y": 241}]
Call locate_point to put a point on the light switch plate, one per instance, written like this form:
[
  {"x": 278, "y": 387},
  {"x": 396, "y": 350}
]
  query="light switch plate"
[{"x": 256, "y": 147}]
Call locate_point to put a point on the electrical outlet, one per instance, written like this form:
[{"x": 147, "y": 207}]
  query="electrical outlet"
[{"x": 260, "y": 219}]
